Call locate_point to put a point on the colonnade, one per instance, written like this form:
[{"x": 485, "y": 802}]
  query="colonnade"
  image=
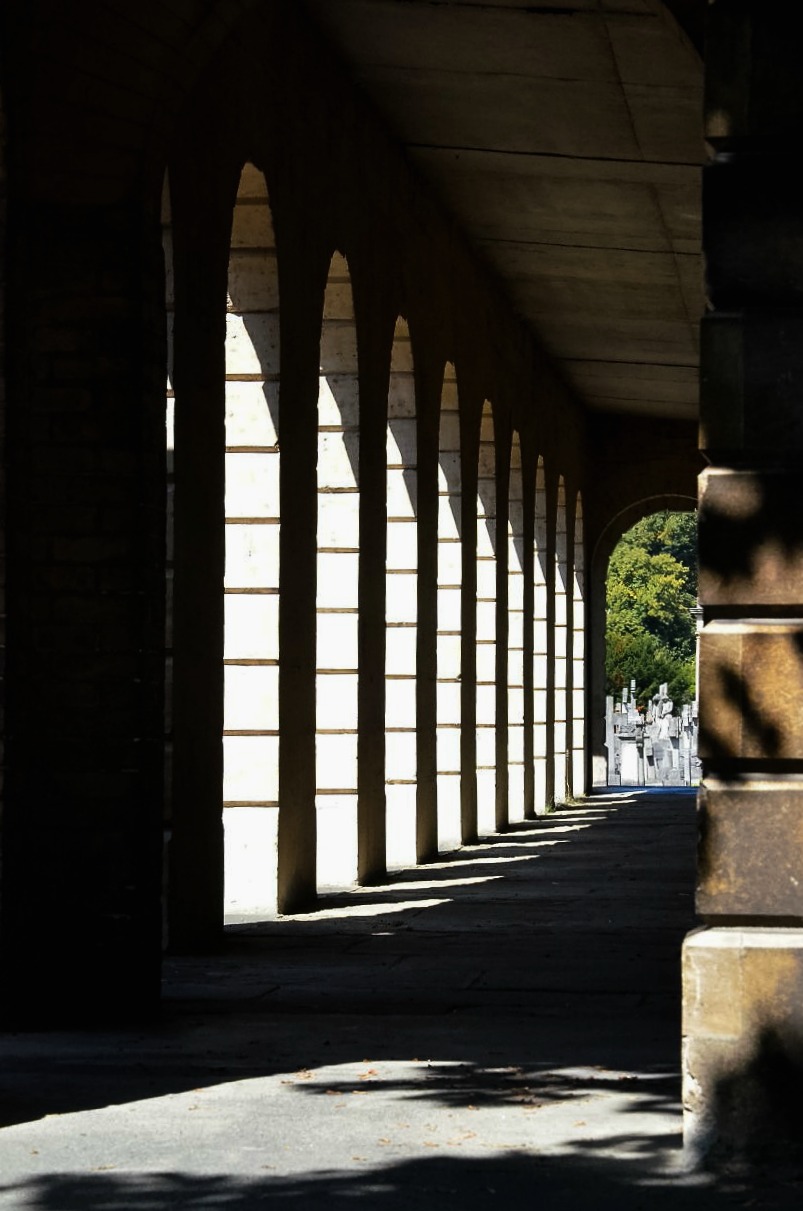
[{"x": 488, "y": 731}]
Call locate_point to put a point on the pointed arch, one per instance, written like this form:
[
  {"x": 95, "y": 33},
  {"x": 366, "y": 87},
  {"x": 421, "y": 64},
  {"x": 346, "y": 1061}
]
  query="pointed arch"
[
  {"x": 251, "y": 581},
  {"x": 486, "y": 624},
  {"x": 449, "y": 642},
  {"x": 578, "y": 764},
  {"x": 515, "y": 637},
  {"x": 401, "y": 610},
  {"x": 560, "y": 728},
  {"x": 540, "y": 642},
  {"x": 338, "y": 582}
]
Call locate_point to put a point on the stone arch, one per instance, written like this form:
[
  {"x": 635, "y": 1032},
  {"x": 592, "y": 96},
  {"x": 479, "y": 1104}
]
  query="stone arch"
[
  {"x": 337, "y": 638},
  {"x": 540, "y": 641},
  {"x": 401, "y": 608},
  {"x": 449, "y": 639},
  {"x": 515, "y": 633},
  {"x": 486, "y": 623}
]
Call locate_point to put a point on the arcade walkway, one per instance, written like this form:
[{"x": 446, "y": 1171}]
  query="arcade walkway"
[{"x": 497, "y": 1029}]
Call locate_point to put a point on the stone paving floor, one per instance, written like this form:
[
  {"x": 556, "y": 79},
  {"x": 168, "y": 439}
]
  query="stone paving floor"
[{"x": 499, "y": 1028}]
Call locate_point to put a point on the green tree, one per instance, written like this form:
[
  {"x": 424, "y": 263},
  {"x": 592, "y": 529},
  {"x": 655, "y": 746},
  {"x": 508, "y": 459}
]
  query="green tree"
[{"x": 651, "y": 596}]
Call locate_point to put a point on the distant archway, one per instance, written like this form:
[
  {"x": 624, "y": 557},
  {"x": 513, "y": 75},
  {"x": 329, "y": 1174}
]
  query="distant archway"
[{"x": 595, "y": 615}]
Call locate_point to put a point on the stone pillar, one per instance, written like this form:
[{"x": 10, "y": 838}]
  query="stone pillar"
[
  {"x": 375, "y": 327},
  {"x": 201, "y": 256},
  {"x": 743, "y": 972},
  {"x": 80, "y": 914},
  {"x": 302, "y": 307}
]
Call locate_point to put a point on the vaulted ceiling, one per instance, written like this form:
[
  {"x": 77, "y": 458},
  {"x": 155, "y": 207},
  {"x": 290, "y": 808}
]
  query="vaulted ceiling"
[{"x": 566, "y": 138}]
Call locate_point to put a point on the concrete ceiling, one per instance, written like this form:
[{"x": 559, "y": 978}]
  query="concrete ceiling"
[{"x": 567, "y": 140}]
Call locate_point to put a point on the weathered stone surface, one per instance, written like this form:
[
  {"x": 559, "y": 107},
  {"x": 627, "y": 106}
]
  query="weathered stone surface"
[
  {"x": 740, "y": 102},
  {"x": 742, "y": 1042},
  {"x": 752, "y": 380},
  {"x": 750, "y": 543},
  {"x": 751, "y": 687},
  {"x": 753, "y": 250},
  {"x": 751, "y": 835}
]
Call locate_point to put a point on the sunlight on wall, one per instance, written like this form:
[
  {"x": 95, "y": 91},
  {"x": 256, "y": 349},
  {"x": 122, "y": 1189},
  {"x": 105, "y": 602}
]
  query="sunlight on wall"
[
  {"x": 540, "y": 661},
  {"x": 515, "y": 640},
  {"x": 578, "y": 654},
  {"x": 251, "y": 584},
  {"x": 450, "y": 570},
  {"x": 486, "y": 625},
  {"x": 337, "y": 593},
  {"x": 401, "y": 608},
  {"x": 561, "y": 647}
]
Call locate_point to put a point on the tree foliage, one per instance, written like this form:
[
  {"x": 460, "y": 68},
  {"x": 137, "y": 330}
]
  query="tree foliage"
[{"x": 652, "y": 593}]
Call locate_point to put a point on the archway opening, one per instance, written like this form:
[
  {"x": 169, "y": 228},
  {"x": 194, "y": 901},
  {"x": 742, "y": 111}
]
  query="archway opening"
[{"x": 650, "y": 653}]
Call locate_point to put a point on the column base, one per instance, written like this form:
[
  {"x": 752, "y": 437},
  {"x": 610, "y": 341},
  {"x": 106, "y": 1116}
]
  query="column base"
[{"x": 743, "y": 1046}]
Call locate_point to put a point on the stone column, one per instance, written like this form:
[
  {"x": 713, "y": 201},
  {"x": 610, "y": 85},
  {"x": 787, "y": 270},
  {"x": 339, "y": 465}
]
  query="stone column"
[
  {"x": 80, "y": 915},
  {"x": 302, "y": 307},
  {"x": 375, "y": 326},
  {"x": 743, "y": 973},
  {"x": 201, "y": 256}
]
